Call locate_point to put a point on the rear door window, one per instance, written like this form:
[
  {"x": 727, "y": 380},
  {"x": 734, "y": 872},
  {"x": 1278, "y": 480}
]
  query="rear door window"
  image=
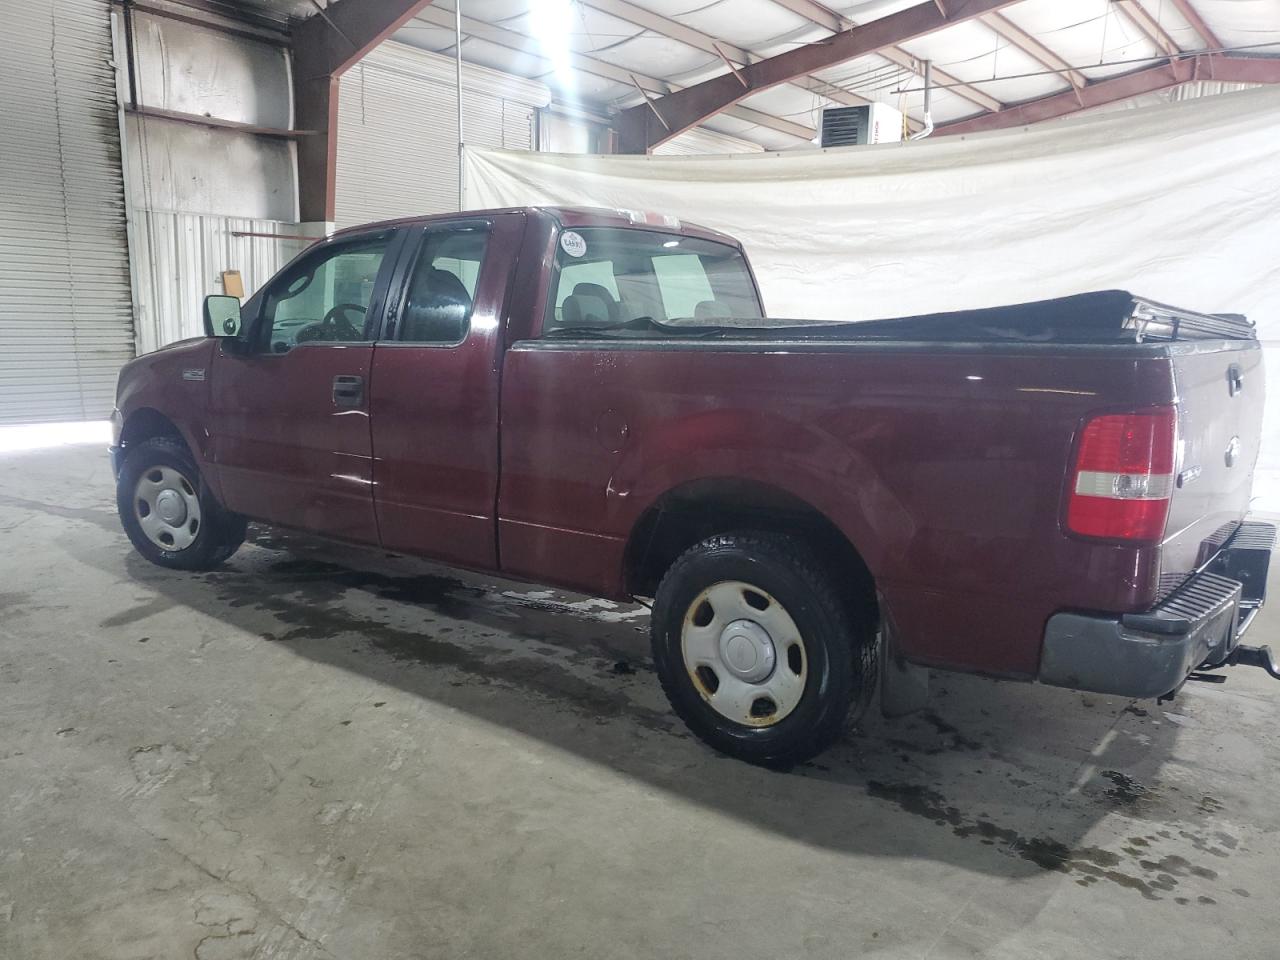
[{"x": 442, "y": 288}]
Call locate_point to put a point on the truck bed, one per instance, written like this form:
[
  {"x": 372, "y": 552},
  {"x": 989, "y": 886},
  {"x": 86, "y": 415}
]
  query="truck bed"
[{"x": 944, "y": 462}]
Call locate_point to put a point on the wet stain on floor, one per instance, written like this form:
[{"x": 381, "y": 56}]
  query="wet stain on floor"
[
  {"x": 1090, "y": 863},
  {"x": 1125, "y": 790},
  {"x": 304, "y": 594}
]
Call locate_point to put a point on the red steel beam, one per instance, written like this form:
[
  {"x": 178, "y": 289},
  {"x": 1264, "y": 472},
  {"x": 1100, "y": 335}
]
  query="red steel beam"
[
  {"x": 1167, "y": 73},
  {"x": 324, "y": 47},
  {"x": 640, "y": 131}
]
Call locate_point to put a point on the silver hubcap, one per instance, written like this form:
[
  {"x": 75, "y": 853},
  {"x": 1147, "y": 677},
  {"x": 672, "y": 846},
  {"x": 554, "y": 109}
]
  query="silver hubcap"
[
  {"x": 167, "y": 508},
  {"x": 744, "y": 653},
  {"x": 747, "y": 651}
]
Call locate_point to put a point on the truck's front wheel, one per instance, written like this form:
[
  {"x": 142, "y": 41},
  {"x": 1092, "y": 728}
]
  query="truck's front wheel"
[
  {"x": 758, "y": 651},
  {"x": 168, "y": 512}
]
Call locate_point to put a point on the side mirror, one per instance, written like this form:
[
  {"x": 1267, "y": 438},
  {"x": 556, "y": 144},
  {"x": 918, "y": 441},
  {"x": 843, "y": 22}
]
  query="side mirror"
[{"x": 222, "y": 316}]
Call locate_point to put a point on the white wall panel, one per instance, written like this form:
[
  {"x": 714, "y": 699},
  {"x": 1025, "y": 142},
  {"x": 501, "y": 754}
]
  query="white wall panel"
[
  {"x": 184, "y": 263},
  {"x": 397, "y": 130}
]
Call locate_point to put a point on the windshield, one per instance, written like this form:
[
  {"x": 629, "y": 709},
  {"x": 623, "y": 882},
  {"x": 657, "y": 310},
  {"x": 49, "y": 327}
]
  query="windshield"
[{"x": 631, "y": 282}]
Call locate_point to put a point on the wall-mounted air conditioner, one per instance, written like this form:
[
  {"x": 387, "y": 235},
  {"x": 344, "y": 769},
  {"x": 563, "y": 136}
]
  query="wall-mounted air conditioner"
[{"x": 871, "y": 123}]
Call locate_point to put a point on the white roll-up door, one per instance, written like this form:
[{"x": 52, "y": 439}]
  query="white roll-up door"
[
  {"x": 397, "y": 130},
  {"x": 66, "y": 322}
]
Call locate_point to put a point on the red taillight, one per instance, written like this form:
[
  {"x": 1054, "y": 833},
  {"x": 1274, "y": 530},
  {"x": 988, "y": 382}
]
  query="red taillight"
[{"x": 1123, "y": 476}]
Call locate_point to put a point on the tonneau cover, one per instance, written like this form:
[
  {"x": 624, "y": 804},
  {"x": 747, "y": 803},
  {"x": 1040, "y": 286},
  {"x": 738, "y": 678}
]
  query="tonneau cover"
[{"x": 1104, "y": 316}]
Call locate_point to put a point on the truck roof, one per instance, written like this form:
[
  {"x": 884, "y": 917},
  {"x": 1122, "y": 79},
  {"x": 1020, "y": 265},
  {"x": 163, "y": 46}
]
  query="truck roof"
[{"x": 569, "y": 217}]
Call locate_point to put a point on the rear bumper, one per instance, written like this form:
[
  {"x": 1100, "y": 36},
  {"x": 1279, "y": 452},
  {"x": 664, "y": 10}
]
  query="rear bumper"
[
  {"x": 116, "y": 453},
  {"x": 1150, "y": 654}
]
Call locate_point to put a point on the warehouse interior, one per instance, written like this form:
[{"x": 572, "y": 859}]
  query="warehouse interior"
[{"x": 320, "y": 750}]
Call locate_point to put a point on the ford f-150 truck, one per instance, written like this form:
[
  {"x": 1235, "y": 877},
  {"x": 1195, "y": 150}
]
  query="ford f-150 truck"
[{"x": 596, "y": 400}]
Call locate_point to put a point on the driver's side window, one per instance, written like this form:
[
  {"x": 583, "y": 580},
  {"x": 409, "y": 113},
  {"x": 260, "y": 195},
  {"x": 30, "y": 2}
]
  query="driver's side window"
[{"x": 325, "y": 298}]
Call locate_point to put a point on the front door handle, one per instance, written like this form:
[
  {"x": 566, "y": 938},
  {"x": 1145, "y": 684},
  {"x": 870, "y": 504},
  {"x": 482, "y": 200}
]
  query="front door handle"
[{"x": 348, "y": 390}]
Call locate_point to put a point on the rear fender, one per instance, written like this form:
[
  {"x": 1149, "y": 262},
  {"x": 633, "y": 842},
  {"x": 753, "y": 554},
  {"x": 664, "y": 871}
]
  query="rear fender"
[{"x": 798, "y": 458}]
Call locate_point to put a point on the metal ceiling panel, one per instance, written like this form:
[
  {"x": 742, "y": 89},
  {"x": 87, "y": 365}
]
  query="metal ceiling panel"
[
  {"x": 1244, "y": 22},
  {"x": 491, "y": 11},
  {"x": 764, "y": 23},
  {"x": 767, "y": 138},
  {"x": 428, "y": 36},
  {"x": 975, "y": 53},
  {"x": 1085, "y": 34},
  {"x": 658, "y": 56},
  {"x": 790, "y": 102},
  {"x": 495, "y": 57},
  {"x": 811, "y": 33},
  {"x": 1166, "y": 15},
  {"x": 864, "y": 11}
]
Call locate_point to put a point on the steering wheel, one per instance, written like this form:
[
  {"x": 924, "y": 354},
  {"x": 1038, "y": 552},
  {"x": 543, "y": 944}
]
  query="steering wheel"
[{"x": 337, "y": 323}]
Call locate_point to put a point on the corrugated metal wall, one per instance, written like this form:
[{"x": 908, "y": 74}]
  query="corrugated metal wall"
[
  {"x": 397, "y": 130},
  {"x": 65, "y": 305},
  {"x": 187, "y": 255}
]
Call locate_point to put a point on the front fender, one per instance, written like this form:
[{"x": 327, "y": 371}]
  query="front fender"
[{"x": 173, "y": 382}]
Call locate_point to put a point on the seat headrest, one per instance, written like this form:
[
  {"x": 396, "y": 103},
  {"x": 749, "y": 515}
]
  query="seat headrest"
[
  {"x": 593, "y": 290},
  {"x": 441, "y": 286},
  {"x": 590, "y": 305},
  {"x": 711, "y": 310},
  {"x": 438, "y": 308}
]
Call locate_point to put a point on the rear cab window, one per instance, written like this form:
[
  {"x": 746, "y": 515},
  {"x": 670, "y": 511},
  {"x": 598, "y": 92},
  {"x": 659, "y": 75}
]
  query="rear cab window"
[{"x": 643, "y": 283}]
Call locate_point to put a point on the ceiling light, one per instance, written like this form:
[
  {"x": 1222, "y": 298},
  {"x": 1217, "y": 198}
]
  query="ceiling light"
[{"x": 552, "y": 23}]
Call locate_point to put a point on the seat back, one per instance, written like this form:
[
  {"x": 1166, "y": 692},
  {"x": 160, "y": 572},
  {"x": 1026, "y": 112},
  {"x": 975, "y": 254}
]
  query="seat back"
[
  {"x": 437, "y": 310},
  {"x": 590, "y": 305}
]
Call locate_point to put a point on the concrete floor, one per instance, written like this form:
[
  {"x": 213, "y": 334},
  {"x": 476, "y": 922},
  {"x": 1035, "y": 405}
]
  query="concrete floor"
[{"x": 315, "y": 754}]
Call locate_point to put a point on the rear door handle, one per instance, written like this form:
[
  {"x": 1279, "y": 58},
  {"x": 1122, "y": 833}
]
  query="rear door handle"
[{"x": 348, "y": 390}]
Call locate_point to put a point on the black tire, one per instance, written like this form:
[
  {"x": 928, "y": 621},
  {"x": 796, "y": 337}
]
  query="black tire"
[
  {"x": 219, "y": 533},
  {"x": 836, "y": 628}
]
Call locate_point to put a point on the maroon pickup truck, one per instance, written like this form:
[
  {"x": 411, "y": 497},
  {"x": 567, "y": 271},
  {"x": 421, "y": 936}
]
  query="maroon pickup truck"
[{"x": 595, "y": 399}]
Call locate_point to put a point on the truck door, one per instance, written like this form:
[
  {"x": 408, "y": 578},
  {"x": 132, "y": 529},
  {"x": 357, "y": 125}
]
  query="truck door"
[
  {"x": 289, "y": 405},
  {"x": 434, "y": 396}
]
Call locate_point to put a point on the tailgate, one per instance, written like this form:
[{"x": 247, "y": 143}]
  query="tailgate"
[{"x": 1220, "y": 395}]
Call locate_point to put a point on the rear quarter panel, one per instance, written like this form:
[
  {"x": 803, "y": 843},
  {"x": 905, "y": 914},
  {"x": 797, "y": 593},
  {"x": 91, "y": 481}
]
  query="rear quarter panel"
[{"x": 945, "y": 468}]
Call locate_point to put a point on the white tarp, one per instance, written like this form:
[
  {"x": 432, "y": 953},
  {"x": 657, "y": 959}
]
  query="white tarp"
[{"x": 1178, "y": 202}]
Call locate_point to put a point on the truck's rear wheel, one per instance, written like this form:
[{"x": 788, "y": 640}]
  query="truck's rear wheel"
[
  {"x": 757, "y": 650},
  {"x": 168, "y": 512}
]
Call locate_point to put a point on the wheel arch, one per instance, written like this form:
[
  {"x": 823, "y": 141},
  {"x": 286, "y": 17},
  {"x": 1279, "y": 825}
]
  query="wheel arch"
[
  {"x": 145, "y": 423},
  {"x": 694, "y": 510}
]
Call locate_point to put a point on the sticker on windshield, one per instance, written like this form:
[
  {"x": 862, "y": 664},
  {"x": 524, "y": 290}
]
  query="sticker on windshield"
[{"x": 573, "y": 244}]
